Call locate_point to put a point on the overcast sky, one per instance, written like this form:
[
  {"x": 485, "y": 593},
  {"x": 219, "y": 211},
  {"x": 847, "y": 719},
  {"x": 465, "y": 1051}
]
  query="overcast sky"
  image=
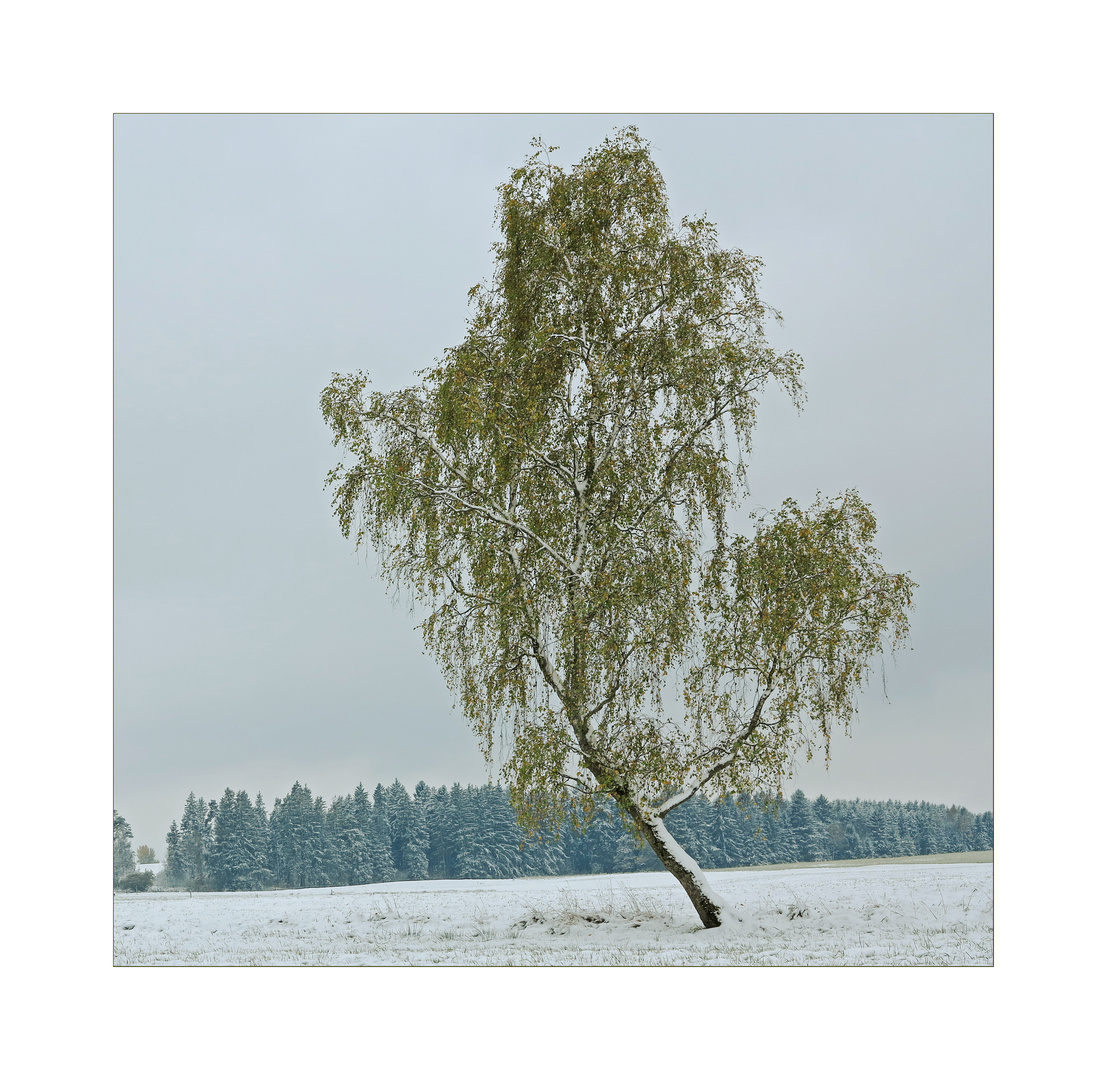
[{"x": 256, "y": 255}]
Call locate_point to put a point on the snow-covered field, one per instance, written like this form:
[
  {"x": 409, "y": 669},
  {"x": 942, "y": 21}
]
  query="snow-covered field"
[{"x": 886, "y": 914}]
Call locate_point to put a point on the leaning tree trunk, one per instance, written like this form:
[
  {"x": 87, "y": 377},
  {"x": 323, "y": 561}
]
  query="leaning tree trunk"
[{"x": 712, "y": 909}]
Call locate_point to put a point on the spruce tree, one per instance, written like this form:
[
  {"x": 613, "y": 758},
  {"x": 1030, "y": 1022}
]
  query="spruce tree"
[
  {"x": 753, "y": 832},
  {"x": 123, "y": 858},
  {"x": 908, "y": 832},
  {"x": 340, "y": 841},
  {"x": 380, "y": 840},
  {"x": 822, "y": 810},
  {"x": 262, "y": 874},
  {"x": 804, "y": 829},
  {"x": 983, "y": 839},
  {"x": 925, "y": 833},
  {"x": 417, "y": 842},
  {"x": 779, "y": 835},
  {"x": 724, "y": 834},
  {"x": 225, "y": 855},
  {"x": 278, "y": 849},
  {"x": 324, "y": 853},
  {"x": 400, "y": 825},
  {"x": 298, "y": 840},
  {"x": 543, "y": 855},
  {"x": 880, "y": 833},
  {"x": 439, "y": 834},
  {"x": 469, "y": 855},
  {"x": 174, "y": 858},
  {"x": 503, "y": 836},
  {"x": 602, "y": 839},
  {"x": 360, "y": 857},
  {"x": 854, "y": 847},
  {"x": 954, "y": 833},
  {"x": 689, "y": 826},
  {"x": 196, "y": 842}
]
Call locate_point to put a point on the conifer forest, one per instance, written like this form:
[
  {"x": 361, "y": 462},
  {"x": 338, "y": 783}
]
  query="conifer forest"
[{"x": 304, "y": 842}]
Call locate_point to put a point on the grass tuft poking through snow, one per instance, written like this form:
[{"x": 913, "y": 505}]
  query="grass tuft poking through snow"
[{"x": 838, "y": 914}]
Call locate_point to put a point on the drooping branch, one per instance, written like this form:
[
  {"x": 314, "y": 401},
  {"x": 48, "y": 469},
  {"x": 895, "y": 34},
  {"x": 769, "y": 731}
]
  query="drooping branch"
[
  {"x": 705, "y": 777},
  {"x": 469, "y": 502}
]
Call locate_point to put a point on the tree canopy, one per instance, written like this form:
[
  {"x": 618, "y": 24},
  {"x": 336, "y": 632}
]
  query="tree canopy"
[{"x": 559, "y": 489}]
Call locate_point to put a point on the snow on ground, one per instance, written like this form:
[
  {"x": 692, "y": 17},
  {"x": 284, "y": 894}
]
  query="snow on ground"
[{"x": 884, "y": 914}]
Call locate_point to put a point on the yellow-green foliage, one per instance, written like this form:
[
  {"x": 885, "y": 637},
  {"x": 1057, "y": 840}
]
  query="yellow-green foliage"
[{"x": 556, "y": 490}]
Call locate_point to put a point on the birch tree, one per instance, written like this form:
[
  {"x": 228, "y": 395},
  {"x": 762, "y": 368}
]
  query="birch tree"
[{"x": 558, "y": 492}]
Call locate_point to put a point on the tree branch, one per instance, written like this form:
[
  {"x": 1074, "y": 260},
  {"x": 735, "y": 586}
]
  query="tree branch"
[{"x": 706, "y": 777}]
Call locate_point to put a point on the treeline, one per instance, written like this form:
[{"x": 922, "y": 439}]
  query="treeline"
[{"x": 471, "y": 832}]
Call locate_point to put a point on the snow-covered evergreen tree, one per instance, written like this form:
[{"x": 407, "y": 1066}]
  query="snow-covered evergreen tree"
[
  {"x": 360, "y": 860},
  {"x": 417, "y": 842},
  {"x": 854, "y": 846},
  {"x": 298, "y": 842},
  {"x": 470, "y": 857},
  {"x": 724, "y": 835},
  {"x": 239, "y": 849},
  {"x": 601, "y": 841},
  {"x": 823, "y": 811},
  {"x": 751, "y": 832},
  {"x": 439, "y": 834},
  {"x": 263, "y": 875},
  {"x": 339, "y": 843},
  {"x": 400, "y": 825},
  {"x": 380, "y": 839},
  {"x": 123, "y": 858},
  {"x": 880, "y": 832},
  {"x": 908, "y": 832},
  {"x": 960, "y": 827},
  {"x": 779, "y": 835},
  {"x": 225, "y": 841},
  {"x": 505, "y": 838},
  {"x": 196, "y": 841},
  {"x": 690, "y": 826},
  {"x": 543, "y": 855},
  {"x": 804, "y": 829},
  {"x": 174, "y": 859},
  {"x": 983, "y": 839},
  {"x": 765, "y": 824},
  {"x": 924, "y": 835}
]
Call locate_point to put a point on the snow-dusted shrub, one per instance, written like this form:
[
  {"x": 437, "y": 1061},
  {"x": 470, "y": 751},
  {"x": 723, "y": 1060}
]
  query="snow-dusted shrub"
[{"x": 139, "y": 882}]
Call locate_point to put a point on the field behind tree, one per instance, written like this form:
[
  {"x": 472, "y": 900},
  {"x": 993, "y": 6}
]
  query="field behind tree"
[{"x": 922, "y": 911}]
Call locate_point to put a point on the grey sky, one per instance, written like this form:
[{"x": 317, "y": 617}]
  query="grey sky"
[{"x": 257, "y": 254}]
